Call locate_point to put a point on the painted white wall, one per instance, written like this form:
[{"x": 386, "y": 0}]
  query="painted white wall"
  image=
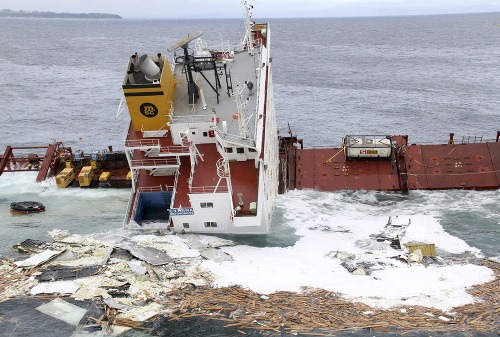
[
  {"x": 196, "y": 131},
  {"x": 220, "y": 213}
]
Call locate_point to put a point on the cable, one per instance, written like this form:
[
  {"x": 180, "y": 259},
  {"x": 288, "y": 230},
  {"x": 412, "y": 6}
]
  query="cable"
[
  {"x": 428, "y": 166},
  {"x": 329, "y": 160}
]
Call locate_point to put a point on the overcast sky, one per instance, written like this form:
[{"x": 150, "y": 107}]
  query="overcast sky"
[{"x": 262, "y": 8}]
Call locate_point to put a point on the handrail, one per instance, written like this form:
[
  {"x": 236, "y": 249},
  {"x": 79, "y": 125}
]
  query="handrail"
[
  {"x": 150, "y": 189},
  {"x": 142, "y": 143},
  {"x": 131, "y": 206},
  {"x": 154, "y": 162},
  {"x": 174, "y": 149},
  {"x": 209, "y": 189},
  {"x": 174, "y": 190},
  {"x": 159, "y": 188},
  {"x": 192, "y": 119},
  {"x": 246, "y": 142}
]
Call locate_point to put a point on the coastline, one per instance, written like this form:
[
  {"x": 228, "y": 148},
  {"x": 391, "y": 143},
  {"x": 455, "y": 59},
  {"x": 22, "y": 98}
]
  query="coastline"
[{"x": 55, "y": 15}]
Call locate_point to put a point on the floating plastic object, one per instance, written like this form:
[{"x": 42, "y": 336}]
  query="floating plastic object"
[
  {"x": 38, "y": 259},
  {"x": 58, "y": 287},
  {"x": 64, "y": 311}
]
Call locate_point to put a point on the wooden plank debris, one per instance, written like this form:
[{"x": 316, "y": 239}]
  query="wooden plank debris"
[
  {"x": 310, "y": 312},
  {"x": 317, "y": 311}
]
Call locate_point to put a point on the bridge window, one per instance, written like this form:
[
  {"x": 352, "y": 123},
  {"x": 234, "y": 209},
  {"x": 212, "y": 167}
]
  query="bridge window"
[
  {"x": 205, "y": 134},
  {"x": 206, "y": 204},
  {"x": 185, "y": 224},
  {"x": 240, "y": 150},
  {"x": 210, "y": 224},
  {"x": 229, "y": 150},
  {"x": 252, "y": 149}
]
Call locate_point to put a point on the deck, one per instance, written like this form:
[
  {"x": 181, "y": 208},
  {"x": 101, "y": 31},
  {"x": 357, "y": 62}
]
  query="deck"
[{"x": 412, "y": 167}]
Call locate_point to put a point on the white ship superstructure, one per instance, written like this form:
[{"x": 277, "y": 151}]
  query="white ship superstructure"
[{"x": 203, "y": 143}]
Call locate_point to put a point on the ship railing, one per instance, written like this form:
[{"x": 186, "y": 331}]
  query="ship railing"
[
  {"x": 158, "y": 188},
  {"x": 174, "y": 190},
  {"x": 261, "y": 81},
  {"x": 150, "y": 189},
  {"x": 153, "y": 163},
  {"x": 142, "y": 143},
  {"x": 191, "y": 177},
  {"x": 471, "y": 139},
  {"x": 176, "y": 149},
  {"x": 191, "y": 119},
  {"x": 237, "y": 140},
  {"x": 209, "y": 189},
  {"x": 132, "y": 204},
  {"x": 155, "y": 133}
]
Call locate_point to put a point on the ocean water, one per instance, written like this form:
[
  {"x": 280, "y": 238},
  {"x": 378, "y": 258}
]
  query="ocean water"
[{"x": 424, "y": 76}]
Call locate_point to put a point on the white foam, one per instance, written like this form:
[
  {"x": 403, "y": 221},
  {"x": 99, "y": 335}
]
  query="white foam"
[{"x": 326, "y": 224}]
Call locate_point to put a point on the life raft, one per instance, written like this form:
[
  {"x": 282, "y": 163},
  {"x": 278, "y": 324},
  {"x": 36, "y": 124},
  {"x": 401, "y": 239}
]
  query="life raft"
[{"x": 25, "y": 207}]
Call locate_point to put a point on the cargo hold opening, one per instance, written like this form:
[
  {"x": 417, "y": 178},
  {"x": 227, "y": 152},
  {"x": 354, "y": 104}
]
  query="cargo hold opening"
[{"x": 153, "y": 206}]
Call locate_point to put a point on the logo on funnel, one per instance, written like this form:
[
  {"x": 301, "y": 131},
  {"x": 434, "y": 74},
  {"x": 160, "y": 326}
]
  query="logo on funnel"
[{"x": 148, "y": 109}]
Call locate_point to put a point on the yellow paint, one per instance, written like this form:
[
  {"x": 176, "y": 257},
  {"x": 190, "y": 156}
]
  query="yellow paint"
[
  {"x": 149, "y": 104},
  {"x": 129, "y": 175}
]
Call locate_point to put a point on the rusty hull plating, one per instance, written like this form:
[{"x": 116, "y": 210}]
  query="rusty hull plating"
[{"x": 463, "y": 165}]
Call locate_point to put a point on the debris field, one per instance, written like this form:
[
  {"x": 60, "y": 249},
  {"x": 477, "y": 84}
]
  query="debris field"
[{"x": 134, "y": 282}]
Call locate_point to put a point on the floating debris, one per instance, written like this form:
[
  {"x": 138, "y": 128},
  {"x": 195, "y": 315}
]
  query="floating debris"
[
  {"x": 133, "y": 291},
  {"x": 38, "y": 259},
  {"x": 426, "y": 249},
  {"x": 60, "y": 309},
  {"x": 58, "y": 287}
]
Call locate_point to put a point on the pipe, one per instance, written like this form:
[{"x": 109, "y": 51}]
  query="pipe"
[{"x": 131, "y": 79}]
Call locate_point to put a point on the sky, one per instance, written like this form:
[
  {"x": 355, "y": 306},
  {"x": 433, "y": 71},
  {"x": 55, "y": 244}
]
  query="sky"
[{"x": 262, "y": 8}]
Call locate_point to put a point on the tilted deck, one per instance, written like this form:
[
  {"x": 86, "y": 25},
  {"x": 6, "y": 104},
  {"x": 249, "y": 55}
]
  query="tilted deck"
[{"x": 412, "y": 167}]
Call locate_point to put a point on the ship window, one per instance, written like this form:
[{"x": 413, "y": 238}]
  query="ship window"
[
  {"x": 207, "y": 204},
  {"x": 205, "y": 134},
  {"x": 210, "y": 224},
  {"x": 185, "y": 224},
  {"x": 240, "y": 150},
  {"x": 229, "y": 150},
  {"x": 252, "y": 149},
  {"x": 193, "y": 132}
]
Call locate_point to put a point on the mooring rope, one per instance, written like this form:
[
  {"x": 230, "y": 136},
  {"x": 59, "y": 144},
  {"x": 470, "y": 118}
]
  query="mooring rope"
[
  {"x": 329, "y": 160},
  {"x": 428, "y": 166}
]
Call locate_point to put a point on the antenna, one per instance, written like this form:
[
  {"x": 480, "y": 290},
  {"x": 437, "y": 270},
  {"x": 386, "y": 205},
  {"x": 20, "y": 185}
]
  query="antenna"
[
  {"x": 188, "y": 60},
  {"x": 184, "y": 42}
]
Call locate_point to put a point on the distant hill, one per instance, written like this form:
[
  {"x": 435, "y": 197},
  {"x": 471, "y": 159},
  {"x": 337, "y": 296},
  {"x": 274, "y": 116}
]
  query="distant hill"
[{"x": 36, "y": 14}]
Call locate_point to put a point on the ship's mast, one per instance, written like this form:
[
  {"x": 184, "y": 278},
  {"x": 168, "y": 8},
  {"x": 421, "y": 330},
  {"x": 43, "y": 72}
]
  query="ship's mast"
[{"x": 248, "y": 39}]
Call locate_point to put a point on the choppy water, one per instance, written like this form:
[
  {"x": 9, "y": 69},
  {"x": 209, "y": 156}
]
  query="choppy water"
[{"x": 423, "y": 76}]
